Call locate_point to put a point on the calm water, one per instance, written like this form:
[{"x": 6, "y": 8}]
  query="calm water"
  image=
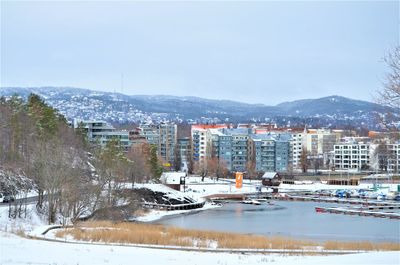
[{"x": 295, "y": 219}]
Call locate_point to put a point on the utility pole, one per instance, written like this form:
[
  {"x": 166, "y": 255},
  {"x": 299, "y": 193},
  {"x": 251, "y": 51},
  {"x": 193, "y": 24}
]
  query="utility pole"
[{"x": 122, "y": 82}]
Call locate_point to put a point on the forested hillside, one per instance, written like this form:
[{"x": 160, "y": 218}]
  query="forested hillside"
[{"x": 73, "y": 179}]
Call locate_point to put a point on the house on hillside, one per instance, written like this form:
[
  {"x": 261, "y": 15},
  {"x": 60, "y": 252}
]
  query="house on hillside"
[{"x": 271, "y": 179}]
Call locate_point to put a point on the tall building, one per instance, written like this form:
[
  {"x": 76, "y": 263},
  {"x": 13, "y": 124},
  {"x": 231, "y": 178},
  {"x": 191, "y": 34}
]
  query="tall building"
[
  {"x": 262, "y": 152},
  {"x": 167, "y": 142},
  {"x": 225, "y": 150},
  {"x": 270, "y": 152},
  {"x": 184, "y": 152},
  {"x": 164, "y": 136},
  {"x": 239, "y": 147},
  {"x": 201, "y": 142},
  {"x": 299, "y": 142},
  {"x": 320, "y": 141},
  {"x": 282, "y": 152}
]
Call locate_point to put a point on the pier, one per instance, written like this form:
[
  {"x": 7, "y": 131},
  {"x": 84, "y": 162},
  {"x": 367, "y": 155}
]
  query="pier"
[
  {"x": 173, "y": 207},
  {"x": 357, "y": 211}
]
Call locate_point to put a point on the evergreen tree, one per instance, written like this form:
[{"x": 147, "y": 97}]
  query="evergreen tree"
[{"x": 155, "y": 168}]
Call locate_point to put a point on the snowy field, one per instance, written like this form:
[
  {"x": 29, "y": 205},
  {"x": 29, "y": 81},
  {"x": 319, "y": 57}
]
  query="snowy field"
[{"x": 18, "y": 250}]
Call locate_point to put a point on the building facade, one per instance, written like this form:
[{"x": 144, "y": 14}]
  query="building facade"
[
  {"x": 355, "y": 155},
  {"x": 100, "y": 132}
]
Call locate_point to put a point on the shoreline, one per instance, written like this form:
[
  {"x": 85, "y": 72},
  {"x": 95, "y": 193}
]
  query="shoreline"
[
  {"x": 316, "y": 237},
  {"x": 157, "y": 215},
  {"x": 296, "y": 246}
]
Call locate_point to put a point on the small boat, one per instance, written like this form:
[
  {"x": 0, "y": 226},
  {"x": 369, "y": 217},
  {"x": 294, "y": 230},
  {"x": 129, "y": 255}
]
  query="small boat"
[
  {"x": 320, "y": 210},
  {"x": 255, "y": 202}
]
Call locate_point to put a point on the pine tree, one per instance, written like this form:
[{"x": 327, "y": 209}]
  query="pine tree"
[{"x": 155, "y": 168}]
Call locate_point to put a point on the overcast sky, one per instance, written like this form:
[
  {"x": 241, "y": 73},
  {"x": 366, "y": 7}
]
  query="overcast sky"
[{"x": 257, "y": 52}]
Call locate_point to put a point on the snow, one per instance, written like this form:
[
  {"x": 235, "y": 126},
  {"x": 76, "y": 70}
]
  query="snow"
[
  {"x": 75, "y": 252},
  {"x": 28, "y": 224},
  {"x": 18, "y": 250},
  {"x": 154, "y": 215}
]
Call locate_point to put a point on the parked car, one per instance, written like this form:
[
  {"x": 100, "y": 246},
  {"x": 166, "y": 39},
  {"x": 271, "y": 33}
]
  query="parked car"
[{"x": 8, "y": 198}]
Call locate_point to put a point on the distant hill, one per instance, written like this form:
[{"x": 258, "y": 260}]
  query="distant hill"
[{"x": 121, "y": 108}]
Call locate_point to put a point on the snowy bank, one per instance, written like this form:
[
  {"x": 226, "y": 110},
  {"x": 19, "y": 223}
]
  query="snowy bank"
[{"x": 43, "y": 252}]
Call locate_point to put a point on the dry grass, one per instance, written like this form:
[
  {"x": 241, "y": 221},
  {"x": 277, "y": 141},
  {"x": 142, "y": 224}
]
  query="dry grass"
[
  {"x": 363, "y": 245},
  {"x": 123, "y": 232}
]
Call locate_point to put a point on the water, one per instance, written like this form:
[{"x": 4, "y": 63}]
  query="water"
[{"x": 294, "y": 219}]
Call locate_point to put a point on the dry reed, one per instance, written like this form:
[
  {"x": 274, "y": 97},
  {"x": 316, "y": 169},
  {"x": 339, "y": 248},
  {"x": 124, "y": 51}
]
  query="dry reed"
[{"x": 137, "y": 233}]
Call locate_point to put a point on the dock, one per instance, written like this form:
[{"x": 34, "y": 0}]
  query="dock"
[
  {"x": 370, "y": 203},
  {"x": 357, "y": 211},
  {"x": 173, "y": 207}
]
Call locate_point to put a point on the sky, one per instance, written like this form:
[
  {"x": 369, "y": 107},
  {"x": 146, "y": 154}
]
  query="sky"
[{"x": 254, "y": 51}]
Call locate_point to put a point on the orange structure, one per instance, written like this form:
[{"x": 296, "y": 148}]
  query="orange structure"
[{"x": 239, "y": 180}]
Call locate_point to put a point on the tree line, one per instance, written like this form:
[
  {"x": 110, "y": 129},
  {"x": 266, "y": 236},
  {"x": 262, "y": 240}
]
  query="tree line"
[{"x": 72, "y": 177}]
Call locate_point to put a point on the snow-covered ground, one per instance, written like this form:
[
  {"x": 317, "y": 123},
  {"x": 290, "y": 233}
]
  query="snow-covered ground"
[
  {"x": 153, "y": 215},
  {"x": 18, "y": 250},
  {"x": 32, "y": 220}
]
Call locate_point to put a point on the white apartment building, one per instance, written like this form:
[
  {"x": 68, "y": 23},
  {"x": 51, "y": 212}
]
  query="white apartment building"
[
  {"x": 298, "y": 143},
  {"x": 394, "y": 157},
  {"x": 355, "y": 155}
]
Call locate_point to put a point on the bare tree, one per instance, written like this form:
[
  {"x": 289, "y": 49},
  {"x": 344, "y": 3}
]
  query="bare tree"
[
  {"x": 251, "y": 170},
  {"x": 390, "y": 94},
  {"x": 304, "y": 160},
  {"x": 139, "y": 155}
]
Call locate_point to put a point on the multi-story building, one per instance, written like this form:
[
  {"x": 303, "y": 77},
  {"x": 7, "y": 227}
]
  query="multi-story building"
[
  {"x": 262, "y": 152},
  {"x": 394, "y": 157},
  {"x": 386, "y": 157},
  {"x": 282, "y": 152},
  {"x": 150, "y": 133},
  {"x": 167, "y": 142},
  {"x": 239, "y": 147},
  {"x": 298, "y": 144},
  {"x": 352, "y": 155},
  {"x": 184, "y": 152},
  {"x": 320, "y": 141},
  {"x": 200, "y": 142},
  {"x": 225, "y": 150},
  {"x": 270, "y": 152},
  {"x": 100, "y": 132},
  {"x": 164, "y": 136}
]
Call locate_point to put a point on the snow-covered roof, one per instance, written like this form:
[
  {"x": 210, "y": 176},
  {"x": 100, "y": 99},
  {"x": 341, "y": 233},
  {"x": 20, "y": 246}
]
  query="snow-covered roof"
[
  {"x": 269, "y": 175},
  {"x": 172, "y": 177}
]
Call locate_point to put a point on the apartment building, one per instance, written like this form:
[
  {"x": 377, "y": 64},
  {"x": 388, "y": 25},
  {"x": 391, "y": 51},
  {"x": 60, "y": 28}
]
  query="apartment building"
[
  {"x": 394, "y": 157},
  {"x": 164, "y": 136},
  {"x": 282, "y": 152},
  {"x": 239, "y": 147},
  {"x": 201, "y": 142},
  {"x": 386, "y": 157},
  {"x": 352, "y": 155},
  {"x": 262, "y": 152},
  {"x": 184, "y": 152},
  {"x": 100, "y": 132},
  {"x": 270, "y": 152}
]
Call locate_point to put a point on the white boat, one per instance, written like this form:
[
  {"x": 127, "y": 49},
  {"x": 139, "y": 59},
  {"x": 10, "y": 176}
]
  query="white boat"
[{"x": 255, "y": 202}]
